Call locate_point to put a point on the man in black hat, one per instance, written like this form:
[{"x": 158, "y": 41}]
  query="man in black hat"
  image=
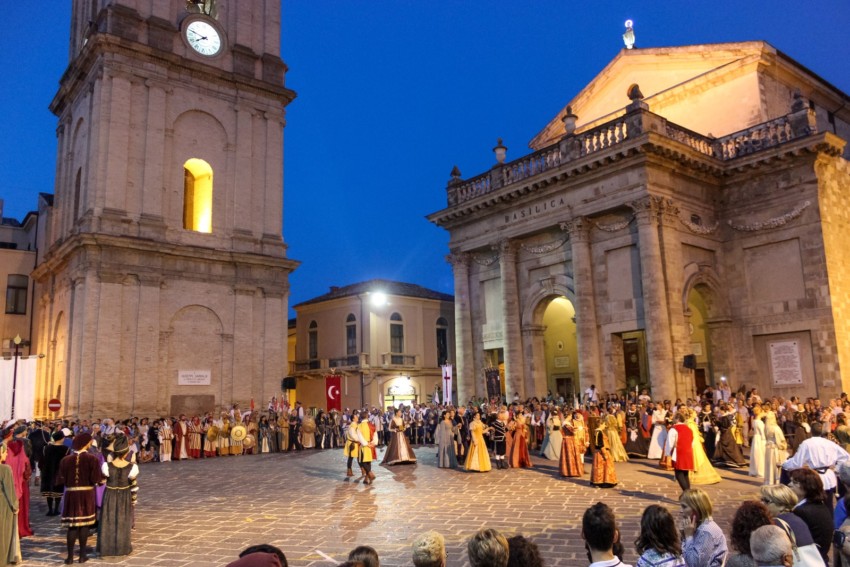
[{"x": 80, "y": 472}]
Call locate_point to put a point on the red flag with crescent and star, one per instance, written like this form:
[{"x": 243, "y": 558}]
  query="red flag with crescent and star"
[{"x": 333, "y": 392}]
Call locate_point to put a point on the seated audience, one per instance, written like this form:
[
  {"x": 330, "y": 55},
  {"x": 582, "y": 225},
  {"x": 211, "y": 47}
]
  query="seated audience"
[
  {"x": 770, "y": 547},
  {"x": 522, "y": 552},
  {"x": 488, "y": 548},
  {"x": 600, "y": 534},
  {"x": 429, "y": 550},
  {"x": 365, "y": 555}
]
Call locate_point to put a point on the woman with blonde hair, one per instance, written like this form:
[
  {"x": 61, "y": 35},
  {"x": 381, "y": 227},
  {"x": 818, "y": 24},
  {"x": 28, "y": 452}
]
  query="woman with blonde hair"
[
  {"x": 780, "y": 501},
  {"x": 704, "y": 544}
]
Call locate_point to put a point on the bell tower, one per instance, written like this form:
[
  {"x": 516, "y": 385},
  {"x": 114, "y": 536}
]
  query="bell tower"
[{"x": 165, "y": 285}]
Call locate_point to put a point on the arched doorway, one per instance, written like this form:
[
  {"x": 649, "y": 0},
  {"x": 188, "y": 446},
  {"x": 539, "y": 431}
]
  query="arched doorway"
[
  {"x": 560, "y": 348},
  {"x": 700, "y": 337}
]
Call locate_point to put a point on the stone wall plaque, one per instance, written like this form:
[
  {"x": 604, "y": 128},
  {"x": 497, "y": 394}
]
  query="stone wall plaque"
[
  {"x": 562, "y": 362},
  {"x": 785, "y": 367},
  {"x": 194, "y": 377}
]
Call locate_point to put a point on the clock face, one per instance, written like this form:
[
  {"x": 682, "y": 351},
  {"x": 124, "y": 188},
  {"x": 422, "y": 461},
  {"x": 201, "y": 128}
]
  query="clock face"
[{"x": 203, "y": 38}]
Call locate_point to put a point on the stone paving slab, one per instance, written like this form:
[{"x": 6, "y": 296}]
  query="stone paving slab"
[{"x": 202, "y": 513}]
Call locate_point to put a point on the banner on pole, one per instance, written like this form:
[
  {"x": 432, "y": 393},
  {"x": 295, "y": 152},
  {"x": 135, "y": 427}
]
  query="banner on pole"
[
  {"x": 333, "y": 392},
  {"x": 447, "y": 384}
]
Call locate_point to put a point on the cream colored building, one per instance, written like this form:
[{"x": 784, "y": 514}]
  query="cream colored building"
[
  {"x": 387, "y": 339},
  {"x": 689, "y": 201},
  {"x": 164, "y": 284}
]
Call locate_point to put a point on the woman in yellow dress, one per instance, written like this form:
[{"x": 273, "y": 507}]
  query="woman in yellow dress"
[
  {"x": 477, "y": 459},
  {"x": 703, "y": 472}
]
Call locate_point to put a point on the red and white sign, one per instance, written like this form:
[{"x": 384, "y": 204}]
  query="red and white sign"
[
  {"x": 334, "y": 394},
  {"x": 54, "y": 405}
]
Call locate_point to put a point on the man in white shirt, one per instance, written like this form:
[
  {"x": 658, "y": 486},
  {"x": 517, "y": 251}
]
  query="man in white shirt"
[
  {"x": 821, "y": 455},
  {"x": 601, "y": 536},
  {"x": 591, "y": 396}
]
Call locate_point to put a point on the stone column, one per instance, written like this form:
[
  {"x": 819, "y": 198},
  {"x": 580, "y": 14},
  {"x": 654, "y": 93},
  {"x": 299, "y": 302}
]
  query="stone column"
[
  {"x": 464, "y": 374},
  {"x": 587, "y": 330},
  {"x": 656, "y": 314},
  {"x": 671, "y": 246},
  {"x": 511, "y": 337}
]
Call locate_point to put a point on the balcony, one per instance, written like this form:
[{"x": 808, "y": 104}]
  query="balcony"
[
  {"x": 399, "y": 360},
  {"x": 615, "y": 136},
  {"x": 346, "y": 362}
]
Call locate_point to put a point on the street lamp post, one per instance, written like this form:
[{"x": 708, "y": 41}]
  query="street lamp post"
[{"x": 18, "y": 341}]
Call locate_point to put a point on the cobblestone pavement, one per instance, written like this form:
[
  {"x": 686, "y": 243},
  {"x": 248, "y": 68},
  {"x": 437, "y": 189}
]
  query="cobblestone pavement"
[{"x": 202, "y": 513}]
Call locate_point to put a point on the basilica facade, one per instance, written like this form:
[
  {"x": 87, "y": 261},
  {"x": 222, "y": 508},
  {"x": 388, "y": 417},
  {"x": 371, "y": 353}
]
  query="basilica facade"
[
  {"x": 683, "y": 220},
  {"x": 164, "y": 287}
]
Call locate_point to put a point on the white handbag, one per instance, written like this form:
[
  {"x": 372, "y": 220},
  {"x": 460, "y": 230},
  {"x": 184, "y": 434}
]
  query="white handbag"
[{"x": 806, "y": 556}]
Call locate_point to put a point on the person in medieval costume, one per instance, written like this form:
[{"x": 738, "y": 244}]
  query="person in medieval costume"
[
  {"x": 727, "y": 450},
  {"x": 776, "y": 449},
  {"x": 573, "y": 446},
  {"x": 636, "y": 444},
  {"x": 703, "y": 472},
  {"x": 446, "y": 457},
  {"x": 477, "y": 458},
  {"x": 680, "y": 442},
  {"x": 351, "y": 450},
  {"x": 398, "y": 447},
  {"x": 53, "y": 455},
  {"x": 181, "y": 439},
  {"x": 79, "y": 472},
  {"x": 194, "y": 435},
  {"x": 10, "y": 543},
  {"x": 116, "y": 519},
  {"x": 615, "y": 442},
  {"x": 367, "y": 439},
  {"x": 166, "y": 440},
  {"x": 19, "y": 461},
  {"x": 555, "y": 442},
  {"x": 707, "y": 422},
  {"x": 602, "y": 472},
  {"x": 519, "y": 457},
  {"x": 659, "y": 433}
]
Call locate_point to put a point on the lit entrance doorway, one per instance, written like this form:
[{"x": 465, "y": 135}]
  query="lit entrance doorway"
[
  {"x": 699, "y": 339},
  {"x": 560, "y": 349}
]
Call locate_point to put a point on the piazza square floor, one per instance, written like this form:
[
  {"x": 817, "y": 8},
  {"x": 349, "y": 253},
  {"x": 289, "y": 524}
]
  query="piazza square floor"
[{"x": 202, "y": 513}]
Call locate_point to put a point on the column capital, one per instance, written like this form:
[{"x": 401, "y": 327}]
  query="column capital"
[
  {"x": 578, "y": 228},
  {"x": 649, "y": 208},
  {"x": 457, "y": 258},
  {"x": 669, "y": 212},
  {"x": 506, "y": 248}
]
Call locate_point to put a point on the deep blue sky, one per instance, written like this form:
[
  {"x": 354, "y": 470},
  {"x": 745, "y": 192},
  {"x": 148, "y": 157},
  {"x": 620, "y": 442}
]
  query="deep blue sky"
[{"x": 393, "y": 93}]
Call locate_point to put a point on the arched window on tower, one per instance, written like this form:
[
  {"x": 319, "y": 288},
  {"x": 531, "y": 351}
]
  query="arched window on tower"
[
  {"x": 442, "y": 341},
  {"x": 197, "y": 195}
]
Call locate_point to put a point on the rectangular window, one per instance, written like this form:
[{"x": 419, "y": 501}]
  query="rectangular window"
[
  {"x": 442, "y": 346},
  {"x": 16, "y": 294},
  {"x": 351, "y": 339},
  {"x": 314, "y": 345},
  {"x": 397, "y": 338}
]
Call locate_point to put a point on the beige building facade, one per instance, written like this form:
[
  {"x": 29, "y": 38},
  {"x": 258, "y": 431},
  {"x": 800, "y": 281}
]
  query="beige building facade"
[
  {"x": 388, "y": 340},
  {"x": 164, "y": 284},
  {"x": 689, "y": 202}
]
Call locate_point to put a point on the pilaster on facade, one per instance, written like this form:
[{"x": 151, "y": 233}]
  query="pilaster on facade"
[
  {"x": 463, "y": 326},
  {"x": 535, "y": 359},
  {"x": 587, "y": 328},
  {"x": 512, "y": 339},
  {"x": 659, "y": 346}
]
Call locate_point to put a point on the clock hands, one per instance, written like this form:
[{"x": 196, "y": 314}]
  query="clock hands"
[{"x": 202, "y": 37}]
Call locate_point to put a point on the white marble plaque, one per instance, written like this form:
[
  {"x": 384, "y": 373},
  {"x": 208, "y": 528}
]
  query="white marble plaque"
[
  {"x": 562, "y": 362},
  {"x": 194, "y": 377},
  {"x": 785, "y": 362}
]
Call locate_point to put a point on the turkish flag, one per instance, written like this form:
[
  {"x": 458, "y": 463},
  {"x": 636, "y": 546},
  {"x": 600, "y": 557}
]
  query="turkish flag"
[{"x": 333, "y": 392}]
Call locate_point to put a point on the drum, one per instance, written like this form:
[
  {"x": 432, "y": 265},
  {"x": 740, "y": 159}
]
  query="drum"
[
  {"x": 250, "y": 441},
  {"x": 212, "y": 433},
  {"x": 238, "y": 433}
]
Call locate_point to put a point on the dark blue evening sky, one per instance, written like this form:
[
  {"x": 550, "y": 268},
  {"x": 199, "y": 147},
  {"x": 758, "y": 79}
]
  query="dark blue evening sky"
[{"x": 393, "y": 93}]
